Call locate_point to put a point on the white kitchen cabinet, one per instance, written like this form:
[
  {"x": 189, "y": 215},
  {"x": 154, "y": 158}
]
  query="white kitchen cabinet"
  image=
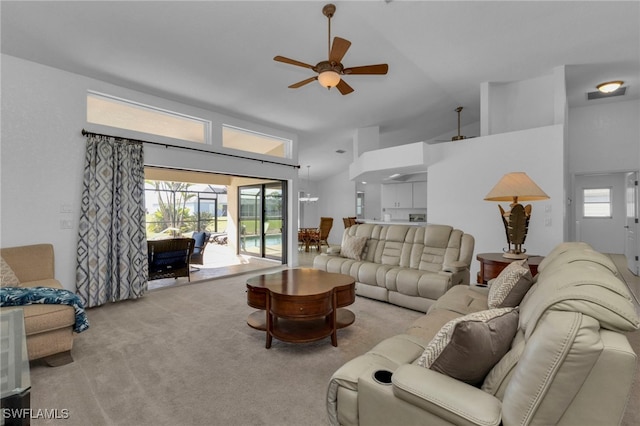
[
  {"x": 408, "y": 195},
  {"x": 397, "y": 195}
]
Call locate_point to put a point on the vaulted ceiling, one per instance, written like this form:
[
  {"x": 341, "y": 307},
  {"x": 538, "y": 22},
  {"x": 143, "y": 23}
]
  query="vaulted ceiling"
[{"x": 219, "y": 55}]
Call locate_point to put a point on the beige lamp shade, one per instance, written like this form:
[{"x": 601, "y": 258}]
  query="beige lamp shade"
[{"x": 514, "y": 187}]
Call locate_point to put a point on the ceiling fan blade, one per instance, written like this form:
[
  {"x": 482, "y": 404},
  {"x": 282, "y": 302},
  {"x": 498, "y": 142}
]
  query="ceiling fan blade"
[
  {"x": 368, "y": 69},
  {"x": 292, "y": 62},
  {"x": 344, "y": 88},
  {"x": 338, "y": 49},
  {"x": 303, "y": 82}
]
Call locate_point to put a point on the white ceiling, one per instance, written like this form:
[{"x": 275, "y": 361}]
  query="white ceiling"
[{"x": 219, "y": 55}]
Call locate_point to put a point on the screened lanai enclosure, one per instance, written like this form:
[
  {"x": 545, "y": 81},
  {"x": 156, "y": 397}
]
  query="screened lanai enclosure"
[{"x": 180, "y": 208}]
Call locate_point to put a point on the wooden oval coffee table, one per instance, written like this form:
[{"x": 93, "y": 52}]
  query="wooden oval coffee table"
[{"x": 300, "y": 305}]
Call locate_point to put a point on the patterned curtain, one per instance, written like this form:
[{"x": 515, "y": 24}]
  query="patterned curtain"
[{"x": 112, "y": 246}]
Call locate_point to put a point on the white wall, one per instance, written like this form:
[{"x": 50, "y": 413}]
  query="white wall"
[
  {"x": 337, "y": 200},
  {"x": 519, "y": 105},
  {"x": 42, "y": 157},
  {"x": 461, "y": 174},
  {"x": 604, "y": 137}
]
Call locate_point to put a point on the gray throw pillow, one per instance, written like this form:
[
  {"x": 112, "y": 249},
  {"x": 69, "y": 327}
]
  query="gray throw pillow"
[
  {"x": 510, "y": 286},
  {"x": 468, "y": 347}
]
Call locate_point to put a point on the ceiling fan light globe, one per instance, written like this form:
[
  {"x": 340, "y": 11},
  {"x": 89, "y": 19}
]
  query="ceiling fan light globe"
[{"x": 329, "y": 79}]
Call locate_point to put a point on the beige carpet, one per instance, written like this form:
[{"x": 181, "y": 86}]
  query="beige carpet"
[{"x": 184, "y": 355}]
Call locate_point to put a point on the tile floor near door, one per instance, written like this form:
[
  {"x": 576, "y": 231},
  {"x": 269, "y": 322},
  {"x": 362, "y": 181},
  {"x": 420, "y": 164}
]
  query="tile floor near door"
[{"x": 221, "y": 261}]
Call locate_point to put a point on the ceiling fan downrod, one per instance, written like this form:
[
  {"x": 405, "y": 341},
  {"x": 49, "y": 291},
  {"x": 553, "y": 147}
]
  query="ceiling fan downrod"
[
  {"x": 459, "y": 137},
  {"x": 328, "y": 10}
]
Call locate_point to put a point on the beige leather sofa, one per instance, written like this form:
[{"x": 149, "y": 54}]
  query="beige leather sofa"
[
  {"x": 410, "y": 266},
  {"x": 49, "y": 328},
  {"x": 568, "y": 364}
]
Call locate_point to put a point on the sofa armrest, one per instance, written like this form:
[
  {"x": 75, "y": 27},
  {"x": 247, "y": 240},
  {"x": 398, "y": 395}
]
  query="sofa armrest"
[
  {"x": 455, "y": 266},
  {"x": 445, "y": 397},
  {"x": 333, "y": 251}
]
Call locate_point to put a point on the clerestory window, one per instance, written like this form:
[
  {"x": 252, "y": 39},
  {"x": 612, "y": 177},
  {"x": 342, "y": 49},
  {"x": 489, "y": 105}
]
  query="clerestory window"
[
  {"x": 259, "y": 143},
  {"x": 124, "y": 114}
]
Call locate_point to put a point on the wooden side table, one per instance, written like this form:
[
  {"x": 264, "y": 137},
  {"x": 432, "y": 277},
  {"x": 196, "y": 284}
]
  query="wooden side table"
[{"x": 491, "y": 264}]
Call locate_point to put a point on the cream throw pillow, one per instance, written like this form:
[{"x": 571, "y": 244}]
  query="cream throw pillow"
[
  {"x": 8, "y": 278},
  {"x": 467, "y": 348},
  {"x": 353, "y": 246},
  {"x": 510, "y": 286}
]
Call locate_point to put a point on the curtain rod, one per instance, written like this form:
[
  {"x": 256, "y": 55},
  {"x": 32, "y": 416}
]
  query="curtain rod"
[{"x": 86, "y": 133}]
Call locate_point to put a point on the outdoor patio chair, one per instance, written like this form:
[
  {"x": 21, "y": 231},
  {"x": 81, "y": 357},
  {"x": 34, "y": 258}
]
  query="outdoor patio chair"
[
  {"x": 201, "y": 239},
  {"x": 169, "y": 258}
]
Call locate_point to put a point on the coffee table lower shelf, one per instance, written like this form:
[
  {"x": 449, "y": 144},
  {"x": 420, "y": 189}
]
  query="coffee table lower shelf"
[{"x": 301, "y": 331}]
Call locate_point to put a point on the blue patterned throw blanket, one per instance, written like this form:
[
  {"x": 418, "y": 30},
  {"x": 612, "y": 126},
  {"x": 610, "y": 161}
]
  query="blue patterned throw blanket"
[{"x": 20, "y": 296}]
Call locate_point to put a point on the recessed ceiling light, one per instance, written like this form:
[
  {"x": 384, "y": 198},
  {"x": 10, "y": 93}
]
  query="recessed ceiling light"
[{"x": 610, "y": 86}]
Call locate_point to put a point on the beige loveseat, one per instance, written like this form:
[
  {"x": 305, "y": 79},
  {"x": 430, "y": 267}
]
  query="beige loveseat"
[
  {"x": 49, "y": 328},
  {"x": 567, "y": 364},
  {"x": 410, "y": 266}
]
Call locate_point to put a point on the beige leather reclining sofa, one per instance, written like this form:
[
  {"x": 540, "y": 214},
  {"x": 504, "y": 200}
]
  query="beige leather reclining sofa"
[
  {"x": 49, "y": 328},
  {"x": 410, "y": 266},
  {"x": 567, "y": 364}
]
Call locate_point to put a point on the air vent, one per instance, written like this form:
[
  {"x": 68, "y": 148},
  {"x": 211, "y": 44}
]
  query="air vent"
[
  {"x": 599, "y": 95},
  {"x": 340, "y": 151}
]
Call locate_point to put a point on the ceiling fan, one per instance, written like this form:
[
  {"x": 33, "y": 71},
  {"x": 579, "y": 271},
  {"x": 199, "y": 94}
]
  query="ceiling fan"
[
  {"x": 331, "y": 70},
  {"x": 457, "y": 137}
]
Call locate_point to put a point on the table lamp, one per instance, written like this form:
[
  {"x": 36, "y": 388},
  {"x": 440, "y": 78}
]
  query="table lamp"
[{"x": 514, "y": 187}]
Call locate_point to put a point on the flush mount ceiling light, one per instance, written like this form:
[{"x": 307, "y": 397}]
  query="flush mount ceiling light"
[{"x": 610, "y": 86}]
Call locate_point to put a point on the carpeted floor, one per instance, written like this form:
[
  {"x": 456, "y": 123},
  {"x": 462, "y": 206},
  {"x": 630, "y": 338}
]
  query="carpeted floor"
[{"x": 185, "y": 355}]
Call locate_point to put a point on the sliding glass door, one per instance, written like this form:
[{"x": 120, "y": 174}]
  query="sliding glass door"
[{"x": 262, "y": 222}]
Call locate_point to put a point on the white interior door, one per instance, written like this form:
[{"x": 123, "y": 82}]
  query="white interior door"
[
  {"x": 605, "y": 232},
  {"x": 631, "y": 249}
]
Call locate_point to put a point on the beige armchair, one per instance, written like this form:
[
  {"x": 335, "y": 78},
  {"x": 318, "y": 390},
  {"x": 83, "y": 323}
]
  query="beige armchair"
[{"x": 49, "y": 328}]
